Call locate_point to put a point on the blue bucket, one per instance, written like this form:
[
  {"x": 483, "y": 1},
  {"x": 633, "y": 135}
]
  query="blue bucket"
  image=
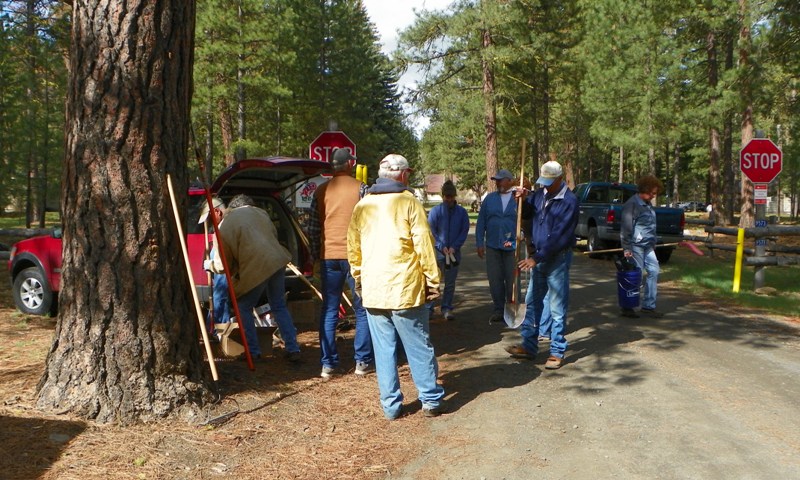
[{"x": 628, "y": 286}]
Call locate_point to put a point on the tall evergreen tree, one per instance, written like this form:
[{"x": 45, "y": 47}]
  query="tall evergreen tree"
[{"x": 125, "y": 348}]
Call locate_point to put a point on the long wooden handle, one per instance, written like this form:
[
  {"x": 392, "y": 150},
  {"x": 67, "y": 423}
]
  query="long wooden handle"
[
  {"x": 303, "y": 278},
  {"x": 521, "y": 185},
  {"x": 198, "y": 310},
  {"x": 519, "y": 226}
]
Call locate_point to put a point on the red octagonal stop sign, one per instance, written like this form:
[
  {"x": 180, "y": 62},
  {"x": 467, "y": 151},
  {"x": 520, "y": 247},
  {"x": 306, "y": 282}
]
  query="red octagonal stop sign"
[
  {"x": 761, "y": 160},
  {"x": 326, "y": 142}
]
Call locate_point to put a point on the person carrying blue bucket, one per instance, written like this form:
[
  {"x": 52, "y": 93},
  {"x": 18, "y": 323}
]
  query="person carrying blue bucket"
[{"x": 638, "y": 238}]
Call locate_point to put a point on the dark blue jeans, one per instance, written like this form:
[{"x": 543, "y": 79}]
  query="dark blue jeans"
[{"x": 333, "y": 274}]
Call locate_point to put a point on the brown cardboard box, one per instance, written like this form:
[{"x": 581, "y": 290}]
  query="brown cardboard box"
[{"x": 231, "y": 339}]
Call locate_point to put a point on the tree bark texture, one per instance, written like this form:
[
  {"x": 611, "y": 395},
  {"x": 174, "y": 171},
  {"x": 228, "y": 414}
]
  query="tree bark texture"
[
  {"x": 226, "y": 131},
  {"x": 747, "y": 214},
  {"x": 126, "y": 346},
  {"x": 730, "y": 162},
  {"x": 490, "y": 110},
  {"x": 714, "y": 146},
  {"x": 676, "y": 165}
]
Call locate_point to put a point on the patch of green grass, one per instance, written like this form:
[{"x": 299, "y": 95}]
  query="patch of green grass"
[
  {"x": 17, "y": 220},
  {"x": 712, "y": 277}
]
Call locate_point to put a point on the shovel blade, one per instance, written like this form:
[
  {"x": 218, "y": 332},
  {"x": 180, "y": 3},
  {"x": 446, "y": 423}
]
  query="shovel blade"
[{"x": 514, "y": 314}]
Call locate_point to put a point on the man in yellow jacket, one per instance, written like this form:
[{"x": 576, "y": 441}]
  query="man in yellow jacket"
[{"x": 393, "y": 261}]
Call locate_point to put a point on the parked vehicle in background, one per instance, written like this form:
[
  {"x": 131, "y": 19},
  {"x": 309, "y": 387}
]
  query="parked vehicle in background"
[
  {"x": 601, "y": 211},
  {"x": 35, "y": 263},
  {"x": 693, "y": 206}
]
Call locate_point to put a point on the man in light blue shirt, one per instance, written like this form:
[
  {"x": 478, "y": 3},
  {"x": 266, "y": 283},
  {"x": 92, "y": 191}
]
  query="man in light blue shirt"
[{"x": 496, "y": 239}]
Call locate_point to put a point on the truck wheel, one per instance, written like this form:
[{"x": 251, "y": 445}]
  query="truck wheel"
[
  {"x": 31, "y": 293},
  {"x": 663, "y": 254},
  {"x": 595, "y": 243}
]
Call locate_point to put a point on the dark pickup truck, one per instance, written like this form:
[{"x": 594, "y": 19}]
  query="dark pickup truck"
[{"x": 601, "y": 212}]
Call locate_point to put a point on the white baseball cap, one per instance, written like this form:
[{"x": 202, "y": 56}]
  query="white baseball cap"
[{"x": 549, "y": 172}]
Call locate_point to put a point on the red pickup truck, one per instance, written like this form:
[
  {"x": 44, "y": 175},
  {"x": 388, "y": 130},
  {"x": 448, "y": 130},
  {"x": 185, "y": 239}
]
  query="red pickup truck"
[{"x": 35, "y": 263}]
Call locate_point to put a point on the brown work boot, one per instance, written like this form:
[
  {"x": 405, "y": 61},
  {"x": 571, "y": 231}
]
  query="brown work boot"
[
  {"x": 553, "y": 363},
  {"x": 651, "y": 312},
  {"x": 518, "y": 351}
]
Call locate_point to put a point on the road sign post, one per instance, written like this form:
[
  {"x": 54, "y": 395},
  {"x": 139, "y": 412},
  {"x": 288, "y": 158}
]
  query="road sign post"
[{"x": 760, "y": 161}]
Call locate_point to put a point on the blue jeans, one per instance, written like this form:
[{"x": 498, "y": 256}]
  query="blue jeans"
[
  {"x": 220, "y": 299},
  {"x": 645, "y": 258},
  {"x": 547, "y": 320},
  {"x": 500, "y": 269},
  {"x": 333, "y": 274},
  {"x": 275, "y": 288},
  {"x": 449, "y": 276},
  {"x": 411, "y": 327},
  {"x": 551, "y": 280}
]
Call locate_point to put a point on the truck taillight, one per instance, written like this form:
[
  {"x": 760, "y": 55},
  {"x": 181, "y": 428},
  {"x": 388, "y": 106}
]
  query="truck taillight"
[
  {"x": 683, "y": 221},
  {"x": 610, "y": 216}
]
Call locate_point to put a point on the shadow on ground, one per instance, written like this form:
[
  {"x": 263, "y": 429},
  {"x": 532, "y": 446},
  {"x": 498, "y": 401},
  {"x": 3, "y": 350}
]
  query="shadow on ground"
[{"x": 22, "y": 462}]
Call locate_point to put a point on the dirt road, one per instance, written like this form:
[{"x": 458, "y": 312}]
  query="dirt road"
[{"x": 705, "y": 392}]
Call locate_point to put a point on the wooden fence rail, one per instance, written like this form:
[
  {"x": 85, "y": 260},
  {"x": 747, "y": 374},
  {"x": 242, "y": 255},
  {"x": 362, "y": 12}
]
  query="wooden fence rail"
[{"x": 771, "y": 232}]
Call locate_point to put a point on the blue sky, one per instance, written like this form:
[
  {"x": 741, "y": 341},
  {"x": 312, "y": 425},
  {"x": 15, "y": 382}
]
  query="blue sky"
[{"x": 392, "y": 16}]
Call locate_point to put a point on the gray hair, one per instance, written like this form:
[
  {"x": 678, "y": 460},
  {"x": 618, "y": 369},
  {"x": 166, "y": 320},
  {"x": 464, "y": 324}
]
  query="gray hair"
[
  {"x": 390, "y": 174},
  {"x": 241, "y": 200}
]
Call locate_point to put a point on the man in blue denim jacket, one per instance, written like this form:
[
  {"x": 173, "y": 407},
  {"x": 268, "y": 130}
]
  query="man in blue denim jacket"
[
  {"x": 638, "y": 238},
  {"x": 555, "y": 215},
  {"x": 496, "y": 239}
]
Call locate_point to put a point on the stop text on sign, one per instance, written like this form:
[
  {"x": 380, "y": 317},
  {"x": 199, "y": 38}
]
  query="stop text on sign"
[{"x": 761, "y": 161}]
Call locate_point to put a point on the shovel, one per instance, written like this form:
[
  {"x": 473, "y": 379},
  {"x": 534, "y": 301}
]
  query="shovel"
[{"x": 514, "y": 311}]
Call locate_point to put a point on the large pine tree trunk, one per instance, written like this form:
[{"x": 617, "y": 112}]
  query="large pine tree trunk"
[
  {"x": 747, "y": 215},
  {"x": 676, "y": 165},
  {"x": 714, "y": 146},
  {"x": 490, "y": 110},
  {"x": 226, "y": 131},
  {"x": 126, "y": 347},
  {"x": 730, "y": 162}
]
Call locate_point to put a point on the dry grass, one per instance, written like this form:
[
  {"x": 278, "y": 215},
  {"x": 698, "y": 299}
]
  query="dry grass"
[{"x": 281, "y": 421}]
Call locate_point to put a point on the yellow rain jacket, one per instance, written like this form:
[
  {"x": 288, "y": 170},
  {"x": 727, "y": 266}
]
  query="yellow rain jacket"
[{"x": 391, "y": 252}]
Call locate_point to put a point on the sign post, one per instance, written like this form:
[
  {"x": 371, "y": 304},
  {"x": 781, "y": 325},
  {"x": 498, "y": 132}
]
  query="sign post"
[{"x": 760, "y": 161}]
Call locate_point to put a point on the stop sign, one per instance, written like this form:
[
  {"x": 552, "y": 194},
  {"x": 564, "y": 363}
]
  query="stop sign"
[
  {"x": 323, "y": 146},
  {"x": 761, "y": 160}
]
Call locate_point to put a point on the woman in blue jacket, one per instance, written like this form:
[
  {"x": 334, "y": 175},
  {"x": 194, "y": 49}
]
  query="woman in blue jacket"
[{"x": 449, "y": 224}]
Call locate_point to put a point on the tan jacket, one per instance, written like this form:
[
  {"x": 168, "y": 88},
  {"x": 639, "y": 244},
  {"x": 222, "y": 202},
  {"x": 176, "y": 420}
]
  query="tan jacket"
[
  {"x": 251, "y": 247},
  {"x": 390, "y": 250},
  {"x": 335, "y": 202}
]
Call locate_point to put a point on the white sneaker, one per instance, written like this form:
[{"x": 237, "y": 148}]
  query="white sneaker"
[
  {"x": 448, "y": 315},
  {"x": 330, "y": 372},
  {"x": 363, "y": 368}
]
